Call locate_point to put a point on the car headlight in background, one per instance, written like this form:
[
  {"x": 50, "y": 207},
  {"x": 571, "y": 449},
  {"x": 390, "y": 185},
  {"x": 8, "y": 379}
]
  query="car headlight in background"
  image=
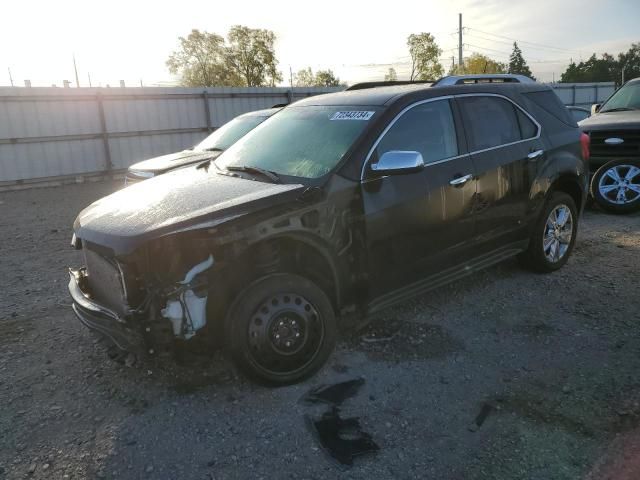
[{"x": 140, "y": 173}]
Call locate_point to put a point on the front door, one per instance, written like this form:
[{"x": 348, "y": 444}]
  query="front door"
[{"x": 418, "y": 223}]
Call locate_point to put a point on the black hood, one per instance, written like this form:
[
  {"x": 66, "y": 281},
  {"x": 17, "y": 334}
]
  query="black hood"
[
  {"x": 626, "y": 120},
  {"x": 181, "y": 200},
  {"x": 168, "y": 162}
]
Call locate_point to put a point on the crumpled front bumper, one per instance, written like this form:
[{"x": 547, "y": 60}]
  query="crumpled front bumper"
[{"x": 99, "y": 318}]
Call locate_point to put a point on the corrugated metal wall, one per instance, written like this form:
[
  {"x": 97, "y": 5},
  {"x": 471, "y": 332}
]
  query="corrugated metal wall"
[
  {"x": 584, "y": 94},
  {"x": 52, "y": 132}
]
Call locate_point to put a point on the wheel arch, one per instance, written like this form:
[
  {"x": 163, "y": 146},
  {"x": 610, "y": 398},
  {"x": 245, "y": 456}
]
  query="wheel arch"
[
  {"x": 569, "y": 184},
  {"x": 289, "y": 252}
]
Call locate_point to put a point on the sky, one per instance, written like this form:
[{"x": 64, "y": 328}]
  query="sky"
[{"x": 115, "y": 40}]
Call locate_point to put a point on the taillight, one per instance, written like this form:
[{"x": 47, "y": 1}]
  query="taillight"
[{"x": 585, "y": 142}]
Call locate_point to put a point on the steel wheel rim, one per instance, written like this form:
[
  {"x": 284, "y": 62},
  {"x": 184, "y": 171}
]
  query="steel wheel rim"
[
  {"x": 285, "y": 334},
  {"x": 558, "y": 232},
  {"x": 620, "y": 185}
]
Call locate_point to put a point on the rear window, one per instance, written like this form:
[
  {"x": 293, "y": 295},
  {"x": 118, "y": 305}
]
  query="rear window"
[
  {"x": 548, "y": 100},
  {"x": 528, "y": 129},
  {"x": 491, "y": 121}
]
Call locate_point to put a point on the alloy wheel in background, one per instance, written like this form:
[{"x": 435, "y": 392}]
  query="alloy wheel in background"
[
  {"x": 620, "y": 184},
  {"x": 616, "y": 186}
]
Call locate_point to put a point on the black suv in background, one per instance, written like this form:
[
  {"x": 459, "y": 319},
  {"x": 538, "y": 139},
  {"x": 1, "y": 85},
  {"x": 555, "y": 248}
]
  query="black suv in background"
[
  {"x": 338, "y": 206},
  {"x": 615, "y": 150}
]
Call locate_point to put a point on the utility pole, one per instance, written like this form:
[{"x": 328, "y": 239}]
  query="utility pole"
[
  {"x": 89, "y": 77},
  {"x": 623, "y": 67},
  {"x": 290, "y": 76},
  {"x": 453, "y": 64},
  {"x": 76, "y": 70},
  {"x": 460, "y": 64},
  {"x": 11, "y": 78}
]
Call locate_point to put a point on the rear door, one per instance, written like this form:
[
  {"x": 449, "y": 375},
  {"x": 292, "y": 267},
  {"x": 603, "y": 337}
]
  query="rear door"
[
  {"x": 507, "y": 150},
  {"x": 418, "y": 223}
]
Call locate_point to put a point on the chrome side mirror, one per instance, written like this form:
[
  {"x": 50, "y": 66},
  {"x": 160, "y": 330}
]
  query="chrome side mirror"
[
  {"x": 595, "y": 108},
  {"x": 397, "y": 162}
]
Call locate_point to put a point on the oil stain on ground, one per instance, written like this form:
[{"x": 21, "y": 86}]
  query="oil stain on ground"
[{"x": 404, "y": 341}]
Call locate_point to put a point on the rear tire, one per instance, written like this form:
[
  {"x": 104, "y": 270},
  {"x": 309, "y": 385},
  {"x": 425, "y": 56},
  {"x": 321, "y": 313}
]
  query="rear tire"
[
  {"x": 281, "y": 329},
  {"x": 615, "y": 187},
  {"x": 553, "y": 236}
]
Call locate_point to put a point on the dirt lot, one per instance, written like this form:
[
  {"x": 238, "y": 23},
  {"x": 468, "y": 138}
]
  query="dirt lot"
[{"x": 551, "y": 361}]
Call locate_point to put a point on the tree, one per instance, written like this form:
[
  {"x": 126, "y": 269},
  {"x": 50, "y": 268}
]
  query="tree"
[
  {"x": 247, "y": 58},
  {"x": 251, "y": 56},
  {"x": 322, "y": 78},
  {"x": 594, "y": 69},
  {"x": 479, "y": 63},
  {"x": 517, "y": 63},
  {"x": 630, "y": 61},
  {"x": 391, "y": 75},
  {"x": 424, "y": 52},
  {"x": 605, "y": 69},
  {"x": 200, "y": 60},
  {"x": 326, "y": 78},
  {"x": 305, "y": 78}
]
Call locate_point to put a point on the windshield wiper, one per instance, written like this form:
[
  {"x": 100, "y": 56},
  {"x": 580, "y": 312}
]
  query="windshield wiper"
[
  {"x": 213, "y": 149},
  {"x": 265, "y": 173},
  {"x": 618, "y": 109}
]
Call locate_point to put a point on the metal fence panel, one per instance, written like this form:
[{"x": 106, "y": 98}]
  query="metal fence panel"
[
  {"x": 51, "y": 132},
  {"x": 583, "y": 94}
]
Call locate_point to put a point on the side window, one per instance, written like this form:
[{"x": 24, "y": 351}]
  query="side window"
[
  {"x": 491, "y": 121},
  {"x": 427, "y": 128},
  {"x": 528, "y": 129}
]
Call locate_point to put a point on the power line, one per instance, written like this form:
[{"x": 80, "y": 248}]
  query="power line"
[
  {"x": 508, "y": 54},
  {"x": 534, "y": 60},
  {"x": 529, "y": 60},
  {"x": 541, "y": 45}
]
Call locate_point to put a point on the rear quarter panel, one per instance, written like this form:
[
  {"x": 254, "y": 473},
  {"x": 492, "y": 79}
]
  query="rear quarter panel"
[{"x": 562, "y": 161}]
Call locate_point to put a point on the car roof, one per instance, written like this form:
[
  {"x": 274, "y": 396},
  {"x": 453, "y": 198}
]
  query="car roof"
[
  {"x": 384, "y": 96},
  {"x": 267, "y": 112},
  {"x": 634, "y": 81}
]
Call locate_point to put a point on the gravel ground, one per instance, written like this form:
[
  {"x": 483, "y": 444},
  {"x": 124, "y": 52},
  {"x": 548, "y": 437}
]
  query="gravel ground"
[{"x": 550, "y": 361}]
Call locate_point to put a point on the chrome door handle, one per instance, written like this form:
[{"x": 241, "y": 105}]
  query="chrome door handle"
[
  {"x": 460, "y": 180},
  {"x": 535, "y": 155}
]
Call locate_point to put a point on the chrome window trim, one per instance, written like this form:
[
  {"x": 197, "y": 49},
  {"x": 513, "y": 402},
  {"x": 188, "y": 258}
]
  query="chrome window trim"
[{"x": 449, "y": 97}]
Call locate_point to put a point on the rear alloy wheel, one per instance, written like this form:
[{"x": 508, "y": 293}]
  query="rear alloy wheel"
[
  {"x": 616, "y": 186},
  {"x": 554, "y": 235},
  {"x": 281, "y": 329}
]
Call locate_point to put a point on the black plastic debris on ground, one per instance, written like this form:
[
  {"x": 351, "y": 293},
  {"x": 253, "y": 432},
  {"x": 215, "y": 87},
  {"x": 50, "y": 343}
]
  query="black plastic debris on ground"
[
  {"x": 485, "y": 411},
  {"x": 334, "y": 394},
  {"x": 342, "y": 438}
]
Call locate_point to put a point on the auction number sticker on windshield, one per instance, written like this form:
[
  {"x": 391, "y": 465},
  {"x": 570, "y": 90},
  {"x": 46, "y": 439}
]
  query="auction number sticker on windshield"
[{"x": 352, "y": 115}]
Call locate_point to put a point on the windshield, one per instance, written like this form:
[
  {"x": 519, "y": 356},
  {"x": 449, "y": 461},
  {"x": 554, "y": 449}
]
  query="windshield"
[
  {"x": 300, "y": 141},
  {"x": 230, "y": 133},
  {"x": 628, "y": 97}
]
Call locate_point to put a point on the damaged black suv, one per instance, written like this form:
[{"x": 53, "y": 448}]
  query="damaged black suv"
[{"x": 337, "y": 207}]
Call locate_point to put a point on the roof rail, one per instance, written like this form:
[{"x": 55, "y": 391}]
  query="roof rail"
[
  {"x": 390, "y": 83},
  {"x": 482, "y": 78}
]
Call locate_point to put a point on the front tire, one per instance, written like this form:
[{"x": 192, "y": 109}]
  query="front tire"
[
  {"x": 554, "y": 235},
  {"x": 615, "y": 187},
  {"x": 281, "y": 329}
]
